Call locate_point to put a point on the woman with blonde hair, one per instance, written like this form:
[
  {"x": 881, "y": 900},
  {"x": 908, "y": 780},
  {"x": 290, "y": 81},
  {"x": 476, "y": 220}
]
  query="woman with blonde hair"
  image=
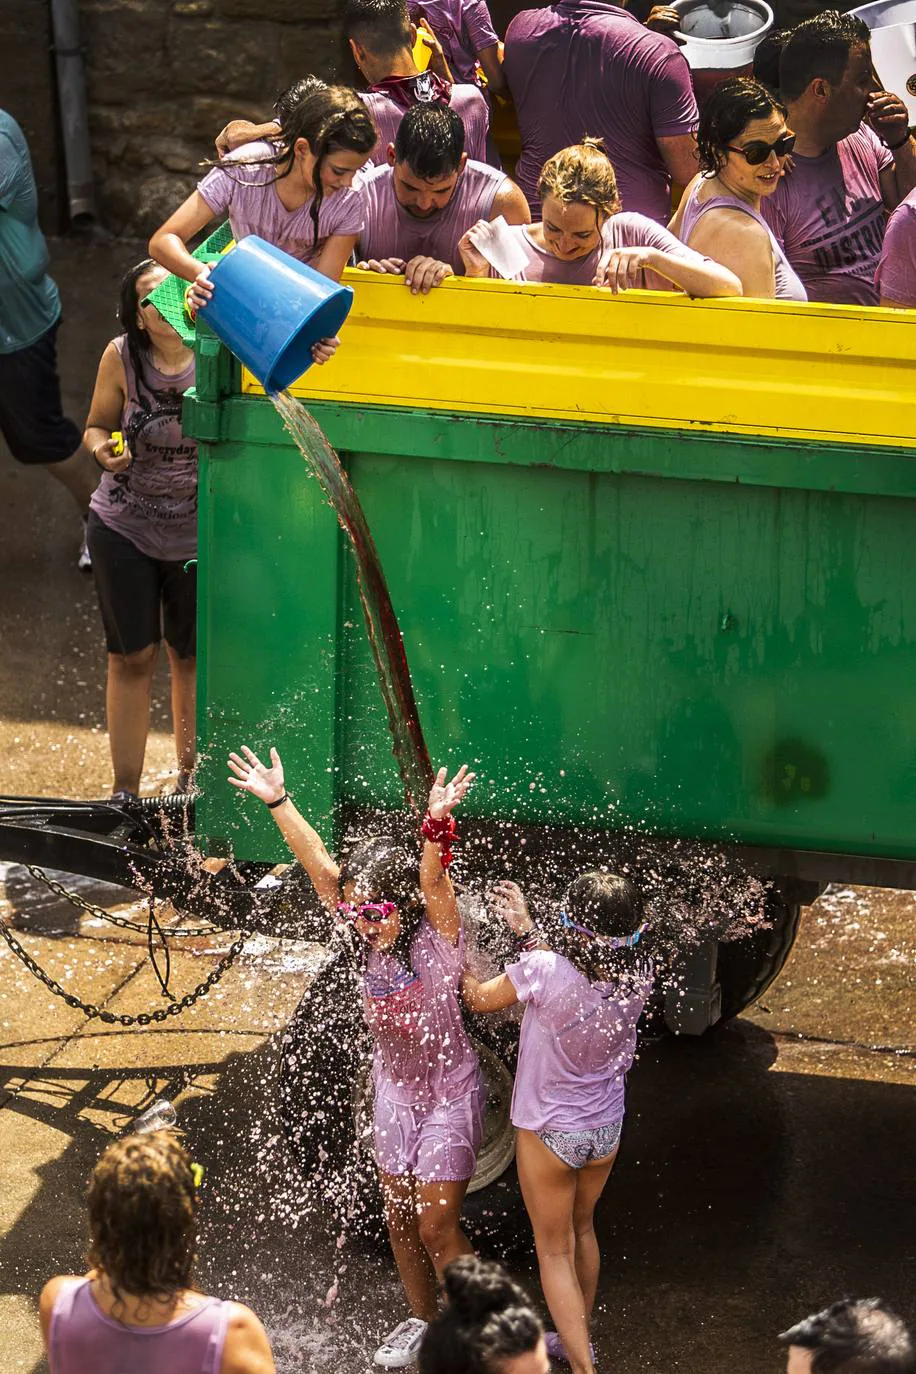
[
  {"x": 585, "y": 238},
  {"x": 136, "y": 1308}
]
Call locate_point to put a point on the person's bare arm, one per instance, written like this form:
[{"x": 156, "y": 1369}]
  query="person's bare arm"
[
  {"x": 742, "y": 245},
  {"x": 493, "y": 995},
  {"x": 246, "y": 1349},
  {"x": 49, "y": 1295},
  {"x": 238, "y": 132},
  {"x": 435, "y": 884},
  {"x": 679, "y": 154},
  {"x": 335, "y": 255},
  {"x": 105, "y": 411},
  {"x": 491, "y": 64},
  {"x": 169, "y": 245},
  {"x": 510, "y": 202},
  {"x": 889, "y": 118}
]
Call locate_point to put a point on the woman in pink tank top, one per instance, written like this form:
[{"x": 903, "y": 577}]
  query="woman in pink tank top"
[
  {"x": 135, "y": 1309},
  {"x": 743, "y": 145}
]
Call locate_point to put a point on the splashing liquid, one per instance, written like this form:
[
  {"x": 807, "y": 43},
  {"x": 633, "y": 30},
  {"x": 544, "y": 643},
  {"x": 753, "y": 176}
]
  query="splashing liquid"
[{"x": 409, "y": 746}]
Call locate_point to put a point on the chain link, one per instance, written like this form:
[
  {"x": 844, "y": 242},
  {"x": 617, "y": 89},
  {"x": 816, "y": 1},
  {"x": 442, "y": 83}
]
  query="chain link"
[{"x": 101, "y": 914}]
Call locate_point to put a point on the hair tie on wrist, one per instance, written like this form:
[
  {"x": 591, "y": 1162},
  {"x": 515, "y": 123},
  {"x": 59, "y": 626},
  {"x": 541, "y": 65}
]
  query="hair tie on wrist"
[
  {"x": 440, "y": 831},
  {"x": 272, "y": 806}
]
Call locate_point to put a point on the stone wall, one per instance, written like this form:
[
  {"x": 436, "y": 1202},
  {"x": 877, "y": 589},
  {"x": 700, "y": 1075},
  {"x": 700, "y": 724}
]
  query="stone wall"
[{"x": 164, "y": 76}]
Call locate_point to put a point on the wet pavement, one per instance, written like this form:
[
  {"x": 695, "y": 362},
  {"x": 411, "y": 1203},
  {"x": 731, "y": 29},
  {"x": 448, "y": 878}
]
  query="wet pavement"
[{"x": 766, "y": 1168}]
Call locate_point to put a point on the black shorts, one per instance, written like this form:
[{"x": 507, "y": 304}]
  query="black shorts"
[
  {"x": 142, "y": 599},
  {"x": 31, "y": 419}
]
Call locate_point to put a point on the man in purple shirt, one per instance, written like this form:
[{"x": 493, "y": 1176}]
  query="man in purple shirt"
[
  {"x": 419, "y": 206},
  {"x": 896, "y": 274},
  {"x": 853, "y": 160},
  {"x": 585, "y": 68}
]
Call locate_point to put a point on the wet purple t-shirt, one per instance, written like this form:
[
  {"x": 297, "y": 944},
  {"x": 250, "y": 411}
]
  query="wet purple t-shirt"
[
  {"x": 248, "y": 196},
  {"x": 466, "y": 101},
  {"x": 896, "y": 274},
  {"x": 581, "y": 68},
  {"x": 422, "y": 1053},
  {"x": 463, "y": 27},
  {"x": 392, "y": 232},
  {"x": 620, "y": 231},
  {"x": 577, "y": 1043},
  {"x": 828, "y": 215}
]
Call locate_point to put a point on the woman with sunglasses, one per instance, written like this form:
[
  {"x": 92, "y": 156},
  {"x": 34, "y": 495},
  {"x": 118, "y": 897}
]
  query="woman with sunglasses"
[
  {"x": 142, "y": 529},
  {"x": 584, "y": 983},
  {"x": 743, "y": 143},
  {"x": 428, "y": 1118}
]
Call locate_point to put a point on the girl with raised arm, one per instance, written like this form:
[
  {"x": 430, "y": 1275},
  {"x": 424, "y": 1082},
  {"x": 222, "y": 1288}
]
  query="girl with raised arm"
[
  {"x": 584, "y": 985},
  {"x": 428, "y": 1085}
]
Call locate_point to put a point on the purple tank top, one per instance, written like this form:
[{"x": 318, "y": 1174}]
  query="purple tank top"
[
  {"x": 788, "y": 284},
  {"x": 83, "y": 1339},
  {"x": 392, "y": 232},
  {"x": 153, "y": 503}
]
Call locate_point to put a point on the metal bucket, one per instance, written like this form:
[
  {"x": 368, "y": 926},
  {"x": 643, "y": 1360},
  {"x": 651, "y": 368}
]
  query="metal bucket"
[
  {"x": 893, "y": 46},
  {"x": 722, "y": 35}
]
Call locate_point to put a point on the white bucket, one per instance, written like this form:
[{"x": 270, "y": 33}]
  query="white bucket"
[
  {"x": 722, "y": 35},
  {"x": 893, "y": 46}
]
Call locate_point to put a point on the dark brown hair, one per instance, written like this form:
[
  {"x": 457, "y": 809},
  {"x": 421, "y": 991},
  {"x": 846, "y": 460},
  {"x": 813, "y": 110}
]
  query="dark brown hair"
[
  {"x": 611, "y": 906},
  {"x": 729, "y": 108},
  {"x": 819, "y": 47}
]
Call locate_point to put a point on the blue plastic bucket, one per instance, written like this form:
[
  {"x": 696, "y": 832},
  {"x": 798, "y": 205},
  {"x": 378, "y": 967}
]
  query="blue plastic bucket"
[{"x": 269, "y": 309}]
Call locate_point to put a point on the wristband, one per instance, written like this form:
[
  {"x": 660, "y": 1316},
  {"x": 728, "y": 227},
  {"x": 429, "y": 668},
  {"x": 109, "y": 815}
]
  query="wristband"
[
  {"x": 895, "y": 147},
  {"x": 440, "y": 831},
  {"x": 530, "y": 940},
  {"x": 272, "y": 806}
]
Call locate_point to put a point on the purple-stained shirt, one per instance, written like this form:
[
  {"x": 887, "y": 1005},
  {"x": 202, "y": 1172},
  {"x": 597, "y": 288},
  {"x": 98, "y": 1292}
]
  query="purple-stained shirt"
[
  {"x": 620, "y": 231},
  {"x": 895, "y": 278},
  {"x": 787, "y": 286},
  {"x": 577, "y": 1043},
  {"x": 423, "y": 1056},
  {"x": 82, "y": 1338},
  {"x": 467, "y": 102},
  {"x": 581, "y": 68},
  {"x": 392, "y": 232},
  {"x": 248, "y": 195},
  {"x": 828, "y": 215},
  {"x": 153, "y": 503},
  {"x": 463, "y": 27}
]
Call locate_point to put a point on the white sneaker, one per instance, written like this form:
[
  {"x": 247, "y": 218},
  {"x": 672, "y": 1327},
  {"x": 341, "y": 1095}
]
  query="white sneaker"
[
  {"x": 84, "y": 561},
  {"x": 402, "y": 1345}
]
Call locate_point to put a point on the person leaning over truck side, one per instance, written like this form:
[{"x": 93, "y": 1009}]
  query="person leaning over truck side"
[
  {"x": 743, "y": 143},
  {"x": 417, "y": 208},
  {"x": 895, "y": 277},
  {"x": 297, "y": 194},
  {"x": 584, "y": 239},
  {"x": 828, "y": 212}
]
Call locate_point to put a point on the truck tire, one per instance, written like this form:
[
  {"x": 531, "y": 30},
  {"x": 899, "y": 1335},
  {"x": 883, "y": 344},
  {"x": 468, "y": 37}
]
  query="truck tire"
[{"x": 746, "y": 968}]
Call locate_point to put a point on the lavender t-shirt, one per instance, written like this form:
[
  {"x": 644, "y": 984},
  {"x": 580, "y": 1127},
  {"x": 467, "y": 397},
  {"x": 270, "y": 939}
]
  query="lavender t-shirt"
[
  {"x": 392, "y": 232},
  {"x": 577, "y": 1043},
  {"x": 463, "y": 27},
  {"x": 620, "y": 231},
  {"x": 247, "y": 195},
  {"x": 581, "y": 68},
  {"x": 422, "y": 1053},
  {"x": 828, "y": 215},
  {"x": 896, "y": 274},
  {"x": 466, "y": 101}
]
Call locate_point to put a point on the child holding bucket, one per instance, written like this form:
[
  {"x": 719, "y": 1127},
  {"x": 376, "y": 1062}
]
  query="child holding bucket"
[
  {"x": 428, "y": 1085},
  {"x": 584, "y": 985},
  {"x": 296, "y": 194}
]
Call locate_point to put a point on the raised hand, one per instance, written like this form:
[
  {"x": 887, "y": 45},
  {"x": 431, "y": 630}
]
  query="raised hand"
[
  {"x": 445, "y": 795},
  {"x": 251, "y": 775},
  {"x": 507, "y": 901},
  {"x": 475, "y": 264}
]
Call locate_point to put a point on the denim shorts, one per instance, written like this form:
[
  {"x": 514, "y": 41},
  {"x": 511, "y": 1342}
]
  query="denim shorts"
[{"x": 578, "y": 1148}]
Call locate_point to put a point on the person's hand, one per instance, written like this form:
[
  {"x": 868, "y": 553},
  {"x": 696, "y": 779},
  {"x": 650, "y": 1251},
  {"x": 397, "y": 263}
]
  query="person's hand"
[
  {"x": 324, "y": 350},
  {"x": 664, "y": 19},
  {"x": 438, "y": 62},
  {"x": 393, "y": 266},
  {"x": 888, "y": 116},
  {"x": 222, "y": 140},
  {"x": 620, "y": 270},
  {"x": 251, "y": 775},
  {"x": 475, "y": 264},
  {"x": 421, "y": 274},
  {"x": 507, "y": 901},
  {"x": 200, "y": 291},
  {"x": 104, "y": 454},
  {"x": 443, "y": 795}
]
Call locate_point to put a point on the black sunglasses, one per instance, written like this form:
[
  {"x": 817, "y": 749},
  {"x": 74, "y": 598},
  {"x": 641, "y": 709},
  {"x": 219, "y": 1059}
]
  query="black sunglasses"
[{"x": 757, "y": 151}]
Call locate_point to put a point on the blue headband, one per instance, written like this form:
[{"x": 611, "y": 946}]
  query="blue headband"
[{"x": 615, "y": 941}]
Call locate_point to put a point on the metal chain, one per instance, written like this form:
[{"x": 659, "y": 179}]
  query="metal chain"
[
  {"x": 144, "y": 1018},
  {"x": 101, "y": 914}
]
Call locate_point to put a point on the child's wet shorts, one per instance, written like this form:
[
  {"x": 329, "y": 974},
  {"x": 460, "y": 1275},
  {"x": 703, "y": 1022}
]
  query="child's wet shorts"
[
  {"x": 436, "y": 1144},
  {"x": 578, "y": 1148}
]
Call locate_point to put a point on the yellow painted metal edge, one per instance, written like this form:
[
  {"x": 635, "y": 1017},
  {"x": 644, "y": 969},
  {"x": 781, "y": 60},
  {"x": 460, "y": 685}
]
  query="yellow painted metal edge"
[{"x": 838, "y": 374}]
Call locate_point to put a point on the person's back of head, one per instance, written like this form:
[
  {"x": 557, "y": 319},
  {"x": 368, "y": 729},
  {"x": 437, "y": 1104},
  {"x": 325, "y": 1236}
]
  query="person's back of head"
[
  {"x": 581, "y": 174},
  {"x": 600, "y": 926},
  {"x": 287, "y": 100},
  {"x": 487, "y": 1321},
  {"x": 851, "y": 1337},
  {"x": 819, "y": 47},
  {"x": 381, "y": 27},
  {"x": 430, "y": 140},
  {"x": 767, "y": 56}
]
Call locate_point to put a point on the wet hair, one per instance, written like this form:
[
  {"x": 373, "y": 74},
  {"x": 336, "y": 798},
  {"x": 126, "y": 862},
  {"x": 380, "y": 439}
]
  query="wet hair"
[
  {"x": 385, "y": 871},
  {"x": 855, "y": 1337},
  {"x": 330, "y": 119},
  {"x": 300, "y": 90},
  {"x": 582, "y": 174},
  {"x": 143, "y": 1216},
  {"x": 430, "y": 139},
  {"x": 766, "y": 59},
  {"x": 382, "y": 27},
  {"x": 608, "y": 904},
  {"x": 729, "y": 108},
  {"x": 487, "y": 1320},
  {"x": 138, "y": 340},
  {"x": 819, "y": 47}
]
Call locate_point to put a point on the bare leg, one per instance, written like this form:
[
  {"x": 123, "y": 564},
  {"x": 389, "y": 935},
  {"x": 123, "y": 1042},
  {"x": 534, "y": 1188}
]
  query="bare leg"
[
  {"x": 184, "y": 699},
  {"x": 127, "y": 704},
  {"x": 79, "y": 474},
  {"x": 439, "y": 1209},
  {"x": 417, "y": 1274},
  {"x": 590, "y": 1183}
]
